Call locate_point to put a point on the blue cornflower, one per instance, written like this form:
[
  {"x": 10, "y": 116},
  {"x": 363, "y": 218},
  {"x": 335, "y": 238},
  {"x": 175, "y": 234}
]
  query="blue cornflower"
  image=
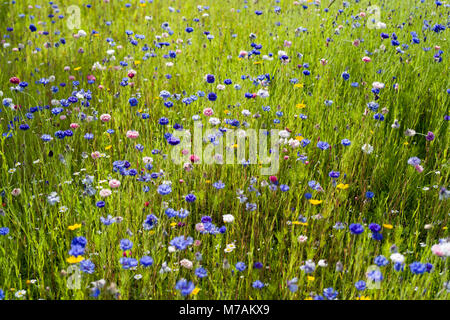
[
  {"x": 360, "y": 285},
  {"x": 164, "y": 189},
  {"x": 4, "y": 231},
  {"x": 381, "y": 261},
  {"x": 323, "y": 145},
  {"x": 185, "y": 287},
  {"x": 240, "y": 266},
  {"x": 374, "y": 227},
  {"x": 126, "y": 244},
  {"x": 190, "y": 197},
  {"x": 330, "y": 293},
  {"x": 370, "y": 194},
  {"x": 150, "y": 222},
  {"x": 375, "y": 275},
  {"x": 346, "y": 142},
  {"x": 212, "y": 96},
  {"x": 417, "y": 267},
  {"x": 257, "y": 284},
  {"x": 87, "y": 266},
  {"x": 356, "y": 228},
  {"x": 181, "y": 243},
  {"x": 146, "y": 261},
  {"x": 201, "y": 272}
]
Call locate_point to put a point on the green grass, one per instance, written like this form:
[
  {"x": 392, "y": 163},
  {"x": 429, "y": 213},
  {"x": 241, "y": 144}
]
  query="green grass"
[{"x": 39, "y": 239}]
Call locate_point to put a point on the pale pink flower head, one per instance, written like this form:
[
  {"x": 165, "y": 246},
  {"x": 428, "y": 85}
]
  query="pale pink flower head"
[
  {"x": 74, "y": 125},
  {"x": 366, "y": 59},
  {"x": 95, "y": 155},
  {"x": 113, "y": 183},
  {"x": 287, "y": 43},
  {"x": 186, "y": 263},
  {"x": 66, "y": 68},
  {"x": 105, "y": 193},
  {"x": 63, "y": 117},
  {"x": 90, "y": 77},
  {"x": 243, "y": 53},
  {"x": 362, "y": 14},
  {"x": 437, "y": 250},
  {"x": 356, "y": 42},
  {"x": 132, "y": 134},
  {"x": 71, "y": 78},
  {"x": 194, "y": 158},
  {"x": 199, "y": 227},
  {"x": 208, "y": 112},
  {"x": 147, "y": 160},
  {"x": 105, "y": 117},
  {"x": 302, "y": 239},
  {"x": 418, "y": 168},
  {"x": 185, "y": 151},
  {"x": 16, "y": 192},
  {"x": 323, "y": 62}
]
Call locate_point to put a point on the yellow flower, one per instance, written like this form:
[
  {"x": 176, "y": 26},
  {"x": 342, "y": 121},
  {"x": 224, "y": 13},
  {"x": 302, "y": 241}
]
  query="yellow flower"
[
  {"x": 74, "y": 227},
  {"x": 363, "y": 298},
  {"x": 151, "y": 232},
  {"x": 308, "y": 298},
  {"x": 299, "y": 138},
  {"x": 257, "y": 62},
  {"x": 73, "y": 259},
  {"x": 298, "y": 85},
  {"x": 195, "y": 291},
  {"x": 315, "y": 202},
  {"x": 300, "y": 223},
  {"x": 342, "y": 186},
  {"x": 173, "y": 224},
  {"x": 108, "y": 147},
  {"x": 301, "y": 105},
  {"x": 208, "y": 181},
  {"x": 310, "y": 278},
  {"x": 77, "y": 68},
  {"x": 137, "y": 62},
  {"x": 226, "y": 111},
  {"x": 387, "y": 226}
]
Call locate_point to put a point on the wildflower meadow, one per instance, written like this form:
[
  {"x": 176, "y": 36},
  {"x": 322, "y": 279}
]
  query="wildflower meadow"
[{"x": 224, "y": 150}]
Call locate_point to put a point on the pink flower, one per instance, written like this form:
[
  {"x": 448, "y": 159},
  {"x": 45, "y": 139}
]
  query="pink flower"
[
  {"x": 186, "y": 263},
  {"x": 105, "y": 117},
  {"x": 199, "y": 227},
  {"x": 208, "y": 112},
  {"x": 419, "y": 168},
  {"x": 16, "y": 192},
  {"x": 63, "y": 117},
  {"x": 356, "y": 42},
  {"x": 185, "y": 151},
  {"x": 113, "y": 183},
  {"x": 323, "y": 62},
  {"x": 66, "y": 68},
  {"x": 71, "y": 78},
  {"x": 287, "y": 43},
  {"x": 194, "y": 158},
  {"x": 90, "y": 77},
  {"x": 74, "y": 125},
  {"x": 437, "y": 250},
  {"x": 273, "y": 179},
  {"x": 366, "y": 59},
  {"x": 105, "y": 193},
  {"x": 132, "y": 134},
  {"x": 95, "y": 155},
  {"x": 243, "y": 53},
  {"x": 362, "y": 14}
]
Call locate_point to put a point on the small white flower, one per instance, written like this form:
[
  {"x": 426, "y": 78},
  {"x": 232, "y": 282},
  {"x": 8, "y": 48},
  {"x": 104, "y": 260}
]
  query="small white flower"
[
  {"x": 367, "y": 148},
  {"x": 397, "y": 258},
  {"x": 228, "y": 218},
  {"x": 186, "y": 263},
  {"x": 20, "y": 293}
]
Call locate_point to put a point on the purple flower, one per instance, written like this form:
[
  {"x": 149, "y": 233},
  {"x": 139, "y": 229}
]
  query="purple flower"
[{"x": 356, "y": 228}]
